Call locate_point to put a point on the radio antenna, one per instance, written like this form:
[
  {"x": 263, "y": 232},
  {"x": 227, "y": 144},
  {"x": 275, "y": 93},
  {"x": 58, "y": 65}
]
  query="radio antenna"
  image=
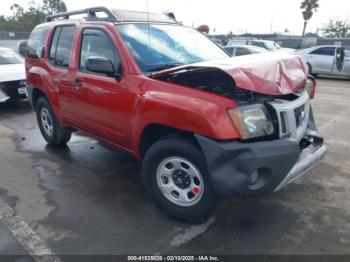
[{"x": 149, "y": 37}]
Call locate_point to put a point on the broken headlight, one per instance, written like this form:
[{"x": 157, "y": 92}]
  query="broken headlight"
[{"x": 251, "y": 121}]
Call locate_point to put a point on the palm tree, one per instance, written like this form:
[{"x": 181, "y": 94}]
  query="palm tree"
[{"x": 308, "y": 7}]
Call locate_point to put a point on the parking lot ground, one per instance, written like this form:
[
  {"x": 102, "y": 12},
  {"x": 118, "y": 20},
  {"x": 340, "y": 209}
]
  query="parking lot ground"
[{"x": 87, "y": 198}]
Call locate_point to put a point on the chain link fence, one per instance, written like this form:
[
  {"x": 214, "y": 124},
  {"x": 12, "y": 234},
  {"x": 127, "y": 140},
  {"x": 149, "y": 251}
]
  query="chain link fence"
[{"x": 8, "y": 35}]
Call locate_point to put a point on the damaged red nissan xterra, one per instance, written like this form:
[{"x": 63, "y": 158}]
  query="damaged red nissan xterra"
[{"x": 203, "y": 124}]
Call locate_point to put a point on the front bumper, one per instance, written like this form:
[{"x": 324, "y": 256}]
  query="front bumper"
[
  {"x": 3, "y": 96},
  {"x": 263, "y": 167},
  {"x": 259, "y": 167},
  {"x": 13, "y": 90}
]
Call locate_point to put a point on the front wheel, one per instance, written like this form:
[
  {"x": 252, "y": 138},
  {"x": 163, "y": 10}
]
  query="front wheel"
[
  {"x": 50, "y": 128},
  {"x": 175, "y": 175}
]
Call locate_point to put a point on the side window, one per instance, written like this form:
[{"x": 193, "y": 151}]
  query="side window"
[
  {"x": 61, "y": 46},
  {"x": 97, "y": 43},
  {"x": 36, "y": 42},
  {"x": 53, "y": 48},
  {"x": 347, "y": 52},
  {"x": 242, "y": 51},
  {"x": 329, "y": 51}
]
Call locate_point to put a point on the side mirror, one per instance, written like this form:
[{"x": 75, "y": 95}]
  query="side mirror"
[{"x": 99, "y": 64}]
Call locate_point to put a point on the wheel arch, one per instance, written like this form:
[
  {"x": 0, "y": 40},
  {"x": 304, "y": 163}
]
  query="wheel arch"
[
  {"x": 154, "y": 132},
  {"x": 161, "y": 113}
]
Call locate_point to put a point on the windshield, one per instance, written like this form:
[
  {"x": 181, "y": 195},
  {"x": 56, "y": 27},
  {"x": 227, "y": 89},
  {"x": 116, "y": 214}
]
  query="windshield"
[
  {"x": 270, "y": 45},
  {"x": 9, "y": 57},
  {"x": 156, "y": 47}
]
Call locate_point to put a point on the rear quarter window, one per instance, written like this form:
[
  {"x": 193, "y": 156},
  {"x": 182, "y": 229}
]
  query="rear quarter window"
[
  {"x": 61, "y": 45},
  {"x": 36, "y": 42}
]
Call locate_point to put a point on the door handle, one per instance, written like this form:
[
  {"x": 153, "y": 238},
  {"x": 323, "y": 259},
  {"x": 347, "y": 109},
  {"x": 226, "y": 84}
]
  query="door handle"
[{"x": 76, "y": 83}]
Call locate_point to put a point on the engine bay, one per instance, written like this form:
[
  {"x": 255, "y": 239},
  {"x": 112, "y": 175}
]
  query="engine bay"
[{"x": 216, "y": 81}]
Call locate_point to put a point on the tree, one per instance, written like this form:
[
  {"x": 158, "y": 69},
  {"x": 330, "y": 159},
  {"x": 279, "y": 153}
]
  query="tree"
[
  {"x": 308, "y": 7},
  {"x": 336, "y": 28},
  {"x": 17, "y": 10},
  {"x": 24, "y": 20},
  {"x": 53, "y": 6}
]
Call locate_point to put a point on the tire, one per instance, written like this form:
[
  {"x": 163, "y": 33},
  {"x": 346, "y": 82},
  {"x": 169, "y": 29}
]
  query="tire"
[
  {"x": 185, "y": 159},
  {"x": 50, "y": 128}
]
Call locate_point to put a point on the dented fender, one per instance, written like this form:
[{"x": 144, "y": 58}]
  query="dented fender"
[{"x": 189, "y": 114}]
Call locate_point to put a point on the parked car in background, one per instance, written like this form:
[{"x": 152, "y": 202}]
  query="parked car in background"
[
  {"x": 12, "y": 76},
  {"x": 204, "y": 124},
  {"x": 217, "y": 40},
  {"x": 238, "y": 50},
  {"x": 266, "y": 44},
  {"x": 22, "y": 47},
  {"x": 327, "y": 60}
]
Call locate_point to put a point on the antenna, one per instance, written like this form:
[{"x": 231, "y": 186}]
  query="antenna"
[{"x": 149, "y": 37}]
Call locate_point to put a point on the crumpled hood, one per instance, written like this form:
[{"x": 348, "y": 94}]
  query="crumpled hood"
[
  {"x": 272, "y": 73},
  {"x": 12, "y": 72}
]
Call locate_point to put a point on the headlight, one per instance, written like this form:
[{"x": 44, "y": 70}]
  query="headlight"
[
  {"x": 251, "y": 121},
  {"x": 310, "y": 86}
]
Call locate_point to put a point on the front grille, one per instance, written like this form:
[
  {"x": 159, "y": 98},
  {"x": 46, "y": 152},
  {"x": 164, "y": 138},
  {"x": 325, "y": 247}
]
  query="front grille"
[
  {"x": 283, "y": 116},
  {"x": 10, "y": 88},
  {"x": 292, "y": 115},
  {"x": 299, "y": 114}
]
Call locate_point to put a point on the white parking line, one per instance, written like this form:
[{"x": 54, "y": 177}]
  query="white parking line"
[
  {"x": 31, "y": 242},
  {"x": 191, "y": 232}
]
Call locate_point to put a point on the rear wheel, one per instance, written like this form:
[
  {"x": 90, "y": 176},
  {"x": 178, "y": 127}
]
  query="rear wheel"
[
  {"x": 50, "y": 128},
  {"x": 175, "y": 175}
]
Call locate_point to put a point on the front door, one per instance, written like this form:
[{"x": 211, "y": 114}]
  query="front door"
[
  {"x": 101, "y": 102},
  {"x": 322, "y": 60}
]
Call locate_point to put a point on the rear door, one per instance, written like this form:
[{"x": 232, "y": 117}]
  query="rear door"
[
  {"x": 322, "y": 60},
  {"x": 59, "y": 63}
]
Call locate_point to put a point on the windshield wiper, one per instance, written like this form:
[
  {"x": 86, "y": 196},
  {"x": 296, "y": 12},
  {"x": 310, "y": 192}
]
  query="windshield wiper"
[{"x": 163, "y": 67}]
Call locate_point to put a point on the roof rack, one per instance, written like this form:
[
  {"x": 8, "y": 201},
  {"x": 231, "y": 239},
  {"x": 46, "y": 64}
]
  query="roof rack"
[
  {"x": 91, "y": 14},
  {"x": 116, "y": 15}
]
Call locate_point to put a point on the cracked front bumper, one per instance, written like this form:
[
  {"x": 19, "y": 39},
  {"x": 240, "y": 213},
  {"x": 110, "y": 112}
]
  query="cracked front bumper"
[
  {"x": 251, "y": 168},
  {"x": 259, "y": 167}
]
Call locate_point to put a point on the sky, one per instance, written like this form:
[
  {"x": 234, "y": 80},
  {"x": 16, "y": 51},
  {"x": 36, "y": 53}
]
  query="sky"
[{"x": 223, "y": 16}]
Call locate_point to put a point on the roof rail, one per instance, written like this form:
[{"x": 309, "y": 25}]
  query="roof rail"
[{"x": 91, "y": 14}]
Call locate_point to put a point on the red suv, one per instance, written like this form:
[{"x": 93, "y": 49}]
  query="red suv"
[{"x": 203, "y": 124}]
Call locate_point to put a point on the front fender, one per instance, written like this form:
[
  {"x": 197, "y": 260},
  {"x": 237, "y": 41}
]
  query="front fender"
[{"x": 189, "y": 114}]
